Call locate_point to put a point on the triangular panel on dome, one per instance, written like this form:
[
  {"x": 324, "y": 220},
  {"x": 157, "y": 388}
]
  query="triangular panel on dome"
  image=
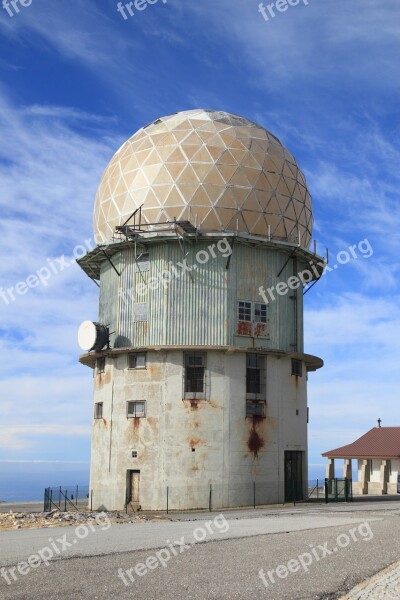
[
  {"x": 151, "y": 172},
  {"x": 175, "y": 169},
  {"x": 201, "y": 170},
  {"x": 227, "y": 200},
  {"x": 161, "y": 191},
  {"x": 211, "y": 222},
  {"x": 261, "y": 228},
  {"x": 214, "y": 177},
  {"x": 251, "y": 203},
  {"x": 226, "y": 171},
  {"x": 193, "y": 139},
  {"x": 174, "y": 198},
  {"x": 151, "y": 200},
  {"x": 214, "y": 192},
  {"x": 187, "y": 190},
  {"x": 129, "y": 163},
  {"x": 290, "y": 212},
  {"x": 226, "y": 216},
  {"x": 188, "y": 175},
  {"x": 200, "y": 197},
  {"x": 250, "y": 161},
  {"x": 251, "y": 218},
  {"x": 202, "y": 155},
  {"x": 273, "y": 207}
]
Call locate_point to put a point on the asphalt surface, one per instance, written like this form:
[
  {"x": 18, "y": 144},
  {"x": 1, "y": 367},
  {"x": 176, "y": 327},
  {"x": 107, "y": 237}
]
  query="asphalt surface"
[{"x": 299, "y": 551}]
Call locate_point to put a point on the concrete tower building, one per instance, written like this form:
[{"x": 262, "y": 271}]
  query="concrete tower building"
[{"x": 203, "y": 222}]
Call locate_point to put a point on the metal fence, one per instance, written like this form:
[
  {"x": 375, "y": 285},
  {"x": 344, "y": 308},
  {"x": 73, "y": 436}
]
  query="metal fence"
[{"x": 66, "y": 498}]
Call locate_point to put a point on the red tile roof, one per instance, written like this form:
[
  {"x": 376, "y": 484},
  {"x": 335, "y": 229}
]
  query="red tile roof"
[{"x": 379, "y": 442}]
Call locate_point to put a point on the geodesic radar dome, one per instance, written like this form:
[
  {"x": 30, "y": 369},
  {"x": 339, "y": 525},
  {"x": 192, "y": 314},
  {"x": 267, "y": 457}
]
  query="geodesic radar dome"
[{"x": 219, "y": 171}]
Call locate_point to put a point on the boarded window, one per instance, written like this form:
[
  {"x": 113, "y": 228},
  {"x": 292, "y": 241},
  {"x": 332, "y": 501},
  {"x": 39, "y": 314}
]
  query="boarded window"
[
  {"x": 297, "y": 367},
  {"x": 98, "y": 410},
  {"x": 143, "y": 262},
  {"x": 255, "y": 409},
  {"x": 136, "y": 408},
  {"x": 140, "y": 312},
  {"x": 137, "y": 360},
  {"x": 101, "y": 365}
]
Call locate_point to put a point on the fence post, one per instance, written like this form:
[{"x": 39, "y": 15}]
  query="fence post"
[
  {"x": 254, "y": 494},
  {"x": 59, "y": 498},
  {"x": 209, "y": 504},
  {"x": 65, "y": 501},
  {"x": 167, "y": 499},
  {"x": 91, "y": 500}
]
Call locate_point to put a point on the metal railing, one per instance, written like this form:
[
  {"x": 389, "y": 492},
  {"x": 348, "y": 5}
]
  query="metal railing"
[{"x": 66, "y": 498}]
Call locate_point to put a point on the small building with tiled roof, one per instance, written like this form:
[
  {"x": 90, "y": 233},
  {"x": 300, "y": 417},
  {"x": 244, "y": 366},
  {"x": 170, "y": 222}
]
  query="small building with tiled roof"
[{"x": 378, "y": 456}]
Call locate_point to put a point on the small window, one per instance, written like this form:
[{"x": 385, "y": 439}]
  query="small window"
[
  {"x": 134, "y": 453},
  {"x": 255, "y": 376},
  {"x": 101, "y": 365},
  {"x": 255, "y": 409},
  {"x": 260, "y": 313},
  {"x": 137, "y": 360},
  {"x": 143, "y": 262},
  {"x": 244, "y": 311},
  {"x": 195, "y": 364},
  {"x": 136, "y": 409},
  {"x": 297, "y": 367},
  {"x": 98, "y": 410}
]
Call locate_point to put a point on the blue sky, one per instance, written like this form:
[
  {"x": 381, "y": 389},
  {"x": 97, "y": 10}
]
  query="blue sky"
[{"x": 77, "y": 80}]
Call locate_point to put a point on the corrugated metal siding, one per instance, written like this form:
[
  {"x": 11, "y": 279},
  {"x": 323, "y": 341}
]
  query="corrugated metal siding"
[
  {"x": 191, "y": 310},
  {"x": 109, "y": 299},
  {"x": 197, "y": 308}
]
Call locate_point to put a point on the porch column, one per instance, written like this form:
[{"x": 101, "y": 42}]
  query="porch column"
[
  {"x": 347, "y": 472},
  {"x": 365, "y": 475},
  {"x": 384, "y": 479},
  {"x": 330, "y": 469}
]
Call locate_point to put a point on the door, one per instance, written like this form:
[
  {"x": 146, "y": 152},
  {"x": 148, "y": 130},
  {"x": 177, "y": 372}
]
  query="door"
[
  {"x": 133, "y": 486},
  {"x": 293, "y": 475}
]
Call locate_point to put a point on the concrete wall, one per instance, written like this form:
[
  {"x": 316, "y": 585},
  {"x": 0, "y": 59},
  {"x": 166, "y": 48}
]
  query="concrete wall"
[{"x": 230, "y": 450}]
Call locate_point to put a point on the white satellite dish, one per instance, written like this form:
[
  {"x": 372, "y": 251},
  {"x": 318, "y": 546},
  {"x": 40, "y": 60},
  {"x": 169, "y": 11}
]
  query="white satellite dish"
[{"x": 92, "y": 336}]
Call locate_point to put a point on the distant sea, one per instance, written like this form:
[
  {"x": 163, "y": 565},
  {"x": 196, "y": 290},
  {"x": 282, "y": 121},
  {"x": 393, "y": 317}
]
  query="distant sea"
[{"x": 25, "y": 482}]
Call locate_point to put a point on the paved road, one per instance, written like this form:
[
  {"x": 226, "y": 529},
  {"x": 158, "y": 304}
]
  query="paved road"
[{"x": 296, "y": 552}]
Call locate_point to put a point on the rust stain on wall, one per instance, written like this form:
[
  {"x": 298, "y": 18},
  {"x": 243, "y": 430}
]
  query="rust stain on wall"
[
  {"x": 260, "y": 330},
  {"x": 195, "y": 442},
  {"x": 105, "y": 422},
  {"x": 214, "y": 404},
  {"x": 136, "y": 423},
  {"x": 255, "y": 441},
  {"x": 244, "y": 328}
]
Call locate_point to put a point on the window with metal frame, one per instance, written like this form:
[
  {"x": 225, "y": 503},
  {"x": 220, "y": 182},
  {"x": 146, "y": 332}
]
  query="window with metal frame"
[
  {"x": 195, "y": 370},
  {"x": 260, "y": 313},
  {"x": 135, "y": 408},
  {"x": 244, "y": 311},
  {"x": 255, "y": 376},
  {"x": 137, "y": 360},
  {"x": 101, "y": 365},
  {"x": 297, "y": 367},
  {"x": 98, "y": 410}
]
